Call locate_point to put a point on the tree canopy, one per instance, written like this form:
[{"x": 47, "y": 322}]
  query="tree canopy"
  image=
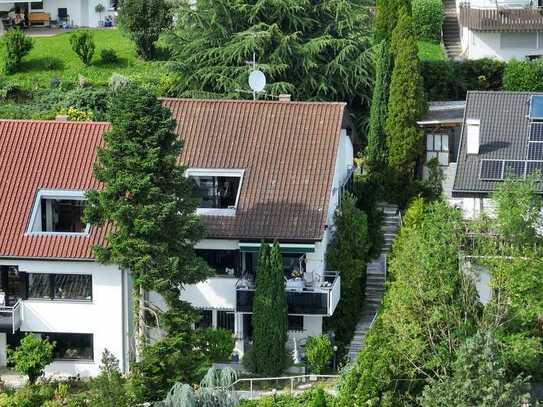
[{"x": 313, "y": 50}]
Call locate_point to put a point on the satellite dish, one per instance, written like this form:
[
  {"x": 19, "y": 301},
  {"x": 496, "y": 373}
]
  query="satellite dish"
[{"x": 257, "y": 81}]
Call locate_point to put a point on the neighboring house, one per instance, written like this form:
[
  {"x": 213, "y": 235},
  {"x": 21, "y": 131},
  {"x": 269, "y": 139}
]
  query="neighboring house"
[
  {"x": 502, "y": 135},
  {"x": 442, "y": 127},
  {"x": 281, "y": 167},
  {"x": 78, "y": 13},
  {"x": 264, "y": 170},
  {"x": 501, "y": 29}
]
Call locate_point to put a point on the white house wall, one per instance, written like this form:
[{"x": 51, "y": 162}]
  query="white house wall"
[
  {"x": 489, "y": 45},
  {"x": 103, "y": 317},
  {"x": 214, "y": 293}
]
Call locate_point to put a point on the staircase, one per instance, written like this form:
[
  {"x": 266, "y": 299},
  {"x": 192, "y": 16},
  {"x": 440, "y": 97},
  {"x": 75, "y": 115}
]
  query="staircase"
[
  {"x": 451, "y": 30},
  {"x": 375, "y": 280}
]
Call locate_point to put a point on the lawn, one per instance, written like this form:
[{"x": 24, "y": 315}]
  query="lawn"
[
  {"x": 53, "y": 57},
  {"x": 431, "y": 51}
]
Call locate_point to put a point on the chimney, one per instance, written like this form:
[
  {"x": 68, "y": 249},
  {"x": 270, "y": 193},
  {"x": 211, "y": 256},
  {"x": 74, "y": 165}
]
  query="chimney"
[
  {"x": 61, "y": 118},
  {"x": 472, "y": 136},
  {"x": 284, "y": 97}
]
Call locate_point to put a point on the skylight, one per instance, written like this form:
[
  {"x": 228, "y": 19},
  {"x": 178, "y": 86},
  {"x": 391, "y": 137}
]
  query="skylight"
[{"x": 58, "y": 212}]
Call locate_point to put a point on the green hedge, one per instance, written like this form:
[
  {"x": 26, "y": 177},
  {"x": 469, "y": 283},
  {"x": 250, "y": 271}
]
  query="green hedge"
[
  {"x": 523, "y": 76},
  {"x": 428, "y": 19},
  {"x": 450, "y": 80}
]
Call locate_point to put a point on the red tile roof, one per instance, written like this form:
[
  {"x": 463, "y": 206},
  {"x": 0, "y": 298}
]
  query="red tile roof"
[
  {"x": 44, "y": 155},
  {"x": 287, "y": 150}
]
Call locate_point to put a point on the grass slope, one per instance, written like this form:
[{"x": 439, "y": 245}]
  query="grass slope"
[
  {"x": 431, "y": 51},
  {"x": 53, "y": 57}
]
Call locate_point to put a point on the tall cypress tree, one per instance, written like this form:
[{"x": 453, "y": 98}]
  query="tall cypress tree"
[
  {"x": 406, "y": 102},
  {"x": 269, "y": 313}
]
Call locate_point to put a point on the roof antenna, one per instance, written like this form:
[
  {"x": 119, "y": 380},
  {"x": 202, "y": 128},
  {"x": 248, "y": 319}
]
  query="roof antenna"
[{"x": 257, "y": 79}]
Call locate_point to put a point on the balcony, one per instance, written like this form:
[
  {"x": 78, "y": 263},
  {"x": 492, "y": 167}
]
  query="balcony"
[
  {"x": 11, "y": 318},
  {"x": 504, "y": 18},
  {"x": 321, "y": 298}
]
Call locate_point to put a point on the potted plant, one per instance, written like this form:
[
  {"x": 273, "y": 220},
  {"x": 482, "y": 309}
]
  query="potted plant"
[{"x": 100, "y": 9}]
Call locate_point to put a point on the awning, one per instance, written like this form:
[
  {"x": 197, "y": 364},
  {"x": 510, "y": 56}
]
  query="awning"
[{"x": 285, "y": 247}]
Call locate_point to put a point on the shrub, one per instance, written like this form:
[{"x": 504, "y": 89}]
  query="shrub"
[
  {"x": 108, "y": 56},
  {"x": 320, "y": 398},
  {"x": 31, "y": 356},
  {"x": 428, "y": 19},
  {"x": 220, "y": 344},
  {"x": 108, "y": 388},
  {"x": 526, "y": 76},
  {"x": 82, "y": 43},
  {"x": 144, "y": 20},
  {"x": 17, "y": 46},
  {"x": 76, "y": 115},
  {"x": 318, "y": 351},
  {"x": 450, "y": 80}
]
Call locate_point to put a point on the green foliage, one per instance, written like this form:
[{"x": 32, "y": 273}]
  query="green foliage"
[
  {"x": 430, "y": 51},
  {"x": 318, "y": 351},
  {"x": 76, "y": 115},
  {"x": 526, "y": 76},
  {"x": 143, "y": 21},
  {"x": 32, "y": 356},
  {"x": 518, "y": 207},
  {"x": 30, "y": 395},
  {"x": 429, "y": 310},
  {"x": 220, "y": 344},
  {"x": 312, "y": 50},
  {"x": 428, "y": 19},
  {"x": 348, "y": 254},
  {"x": 320, "y": 398},
  {"x": 82, "y": 43},
  {"x": 478, "y": 378},
  {"x": 108, "y": 56},
  {"x": 431, "y": 187},
  {"x": 406, "y": 103},
  {"x": 306, "y": 399},
  {"x": 214, "y": 391},
  {"x": 17, "y": 46},
  {"x": 108, "y": 389},
  {"x": 386, "y": 17},
  {"x": 450, "y": 80},
  {"x": 376, "y": 154},
  {"x": 269, "y": 314}
]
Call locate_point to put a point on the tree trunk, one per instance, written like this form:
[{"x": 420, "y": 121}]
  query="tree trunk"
[{"x": 141, "y": 336}]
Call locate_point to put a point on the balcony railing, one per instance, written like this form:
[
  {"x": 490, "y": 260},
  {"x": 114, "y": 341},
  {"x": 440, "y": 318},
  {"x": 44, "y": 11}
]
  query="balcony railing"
[
  {"x": 11, "y": 318},
  {"x": 506, "y": 17},
  {"x": 320, "y": 299}
]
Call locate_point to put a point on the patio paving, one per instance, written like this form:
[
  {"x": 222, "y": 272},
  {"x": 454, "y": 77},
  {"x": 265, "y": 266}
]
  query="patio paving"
[{"x": 11, "y": 378}]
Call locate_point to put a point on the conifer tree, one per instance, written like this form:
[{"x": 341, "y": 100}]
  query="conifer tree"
[
  {"x": 316, "y": 50},
  {"x": 406, "y": 102},
  {"x": 148, "y": 203},
  {"x": 269, "y": 313}
]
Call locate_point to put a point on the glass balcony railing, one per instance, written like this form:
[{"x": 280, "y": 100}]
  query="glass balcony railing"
[{"x": 319, "y": 299}]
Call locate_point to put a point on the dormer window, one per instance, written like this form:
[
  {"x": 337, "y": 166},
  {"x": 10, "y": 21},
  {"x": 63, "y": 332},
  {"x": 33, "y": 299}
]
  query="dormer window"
[
  {"x": 58, "y": 212},
  {"x": 218, "y": 190}
]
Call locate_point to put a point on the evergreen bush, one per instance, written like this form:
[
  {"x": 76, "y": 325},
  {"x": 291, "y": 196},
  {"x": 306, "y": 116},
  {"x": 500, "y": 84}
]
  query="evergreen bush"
[
  {"x": 318, "y": 351},
  {"x": 428, "y": 19},
  {"x": 17, "y": 46},
  {"x": 108, "y": 56},
  {"x": 523, "y": 76},
  {"x": 82, "y": 43},
  {"x": 219, "y": 344}
]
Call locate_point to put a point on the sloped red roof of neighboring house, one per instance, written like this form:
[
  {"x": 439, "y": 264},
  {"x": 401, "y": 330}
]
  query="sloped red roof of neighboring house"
[
  {"x": 38, "y": 155},
  {"x": 287, "y": 149}
]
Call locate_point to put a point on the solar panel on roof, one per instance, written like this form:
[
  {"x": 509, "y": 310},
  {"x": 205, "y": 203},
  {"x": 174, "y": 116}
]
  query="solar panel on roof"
[
  {"x": 514, "y": 169},
  {"x": 534, "y": 167},
  {"x": 535, "y": 151},
  {"x": 491, "y": 169},
  {"x": 536, "y": 107},
  {"x": 536, "y": 132}
]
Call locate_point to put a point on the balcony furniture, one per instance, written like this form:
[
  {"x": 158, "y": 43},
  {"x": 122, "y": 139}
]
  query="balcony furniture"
[{"x": 40, "y": 18}]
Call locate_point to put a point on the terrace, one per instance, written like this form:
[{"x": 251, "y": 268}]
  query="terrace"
[{"x": 505, "y": 17}]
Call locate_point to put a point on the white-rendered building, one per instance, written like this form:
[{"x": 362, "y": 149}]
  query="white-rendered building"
[
  {"x": 77, "y": 13},
  {"x": 502, "y": 29},
  {"x": 286, "y": 164},
  {"x": 269, "y": 171}
]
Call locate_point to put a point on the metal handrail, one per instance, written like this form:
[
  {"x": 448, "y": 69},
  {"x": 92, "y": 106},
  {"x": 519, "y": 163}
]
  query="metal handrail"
[
  {"x": 12, "y": 309},
  {"x": 310, "y": 377}
]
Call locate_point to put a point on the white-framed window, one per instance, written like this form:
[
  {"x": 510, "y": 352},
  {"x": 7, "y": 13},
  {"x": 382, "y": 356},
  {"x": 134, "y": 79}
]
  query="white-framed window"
[
  {"x": 58, "y": 212},
  {"x": 218, "y": 190},
  {"x": 437, "y": 146}
]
